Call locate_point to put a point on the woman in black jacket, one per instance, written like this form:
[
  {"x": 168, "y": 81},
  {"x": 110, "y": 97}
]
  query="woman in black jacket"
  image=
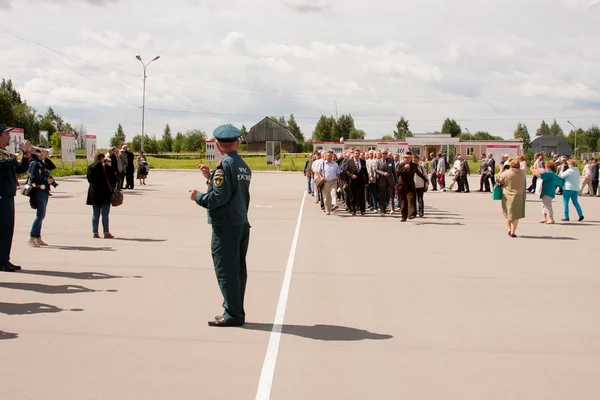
[
  {"x": 40, "y": 179},
  {"x": 102, "y": 181}
]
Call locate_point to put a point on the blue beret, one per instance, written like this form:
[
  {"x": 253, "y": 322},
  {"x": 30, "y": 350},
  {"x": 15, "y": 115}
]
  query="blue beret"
[
  {"x": 4, "y": 128},
  {"x": 227, "y": 133}
]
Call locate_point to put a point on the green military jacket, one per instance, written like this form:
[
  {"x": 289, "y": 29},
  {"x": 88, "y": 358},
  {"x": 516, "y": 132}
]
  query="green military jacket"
[
  {"x": 228, "y": 197},
  {"x": 9, "y": 167}
]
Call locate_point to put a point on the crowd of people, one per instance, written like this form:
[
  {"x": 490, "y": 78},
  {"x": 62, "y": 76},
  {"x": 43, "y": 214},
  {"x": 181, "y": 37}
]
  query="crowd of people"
[
  {"x": 385, "y": 182},
  {"x": 108, "y": 174}
]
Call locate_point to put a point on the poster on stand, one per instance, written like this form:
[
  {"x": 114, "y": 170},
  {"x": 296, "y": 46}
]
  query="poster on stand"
[
  {"x": 67, "y": 145},
  {"x": 212, "y": 153},
  {"x": 17, "y": 135},
  {"x": 90, "y": 147}
]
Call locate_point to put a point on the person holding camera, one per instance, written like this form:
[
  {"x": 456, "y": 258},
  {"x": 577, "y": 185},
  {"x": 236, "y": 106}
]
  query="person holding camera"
[
  {"x": 40, "y": 180},
  {"x": 102, "y": 183},
  {"x": 10, "y": 165}
]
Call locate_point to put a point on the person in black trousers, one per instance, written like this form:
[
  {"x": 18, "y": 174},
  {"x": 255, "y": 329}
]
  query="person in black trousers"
[
  {"x": 406, "y": 185},
  {"x": 9, "y": 167},
  {"x": 130, "y": 169},
  {"x": 358, "y": 178},
  {"x": 594, "y": 176}
]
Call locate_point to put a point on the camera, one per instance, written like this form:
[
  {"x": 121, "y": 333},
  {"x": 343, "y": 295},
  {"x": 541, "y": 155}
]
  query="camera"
[{"x": 54, "y": 184}]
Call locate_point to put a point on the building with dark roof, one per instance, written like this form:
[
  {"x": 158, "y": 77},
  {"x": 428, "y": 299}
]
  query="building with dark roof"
[
  {"x": 269, "y": 130},
  {"x": 550, "y": 145}
]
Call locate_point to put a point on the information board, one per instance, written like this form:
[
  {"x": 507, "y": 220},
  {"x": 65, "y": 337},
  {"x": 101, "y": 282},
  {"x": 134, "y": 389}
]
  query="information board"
[
  {"x": 17, "y": 135},
  {"x": 274, "y": 153},
  {"x": 67, "y": 145},
  {"x": 90, "y": 147},
  {"x": 212, "y": 153}
]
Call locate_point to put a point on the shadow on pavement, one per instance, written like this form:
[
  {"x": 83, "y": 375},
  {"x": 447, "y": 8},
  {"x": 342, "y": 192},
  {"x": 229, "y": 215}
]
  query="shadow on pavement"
[
  {"x": 50, "y": 289},
  {"x": 440, "y": 223},
  {"x": 548, "y": 237},
  {"x": 142, "y": 240},
  {"x": 74, "y": 275},
  {"x": 30, "y": 308},
  {"x": 81, "y": 248},
  {"x": 8, "y": 335},
  {"x": 321, "y": 332}
]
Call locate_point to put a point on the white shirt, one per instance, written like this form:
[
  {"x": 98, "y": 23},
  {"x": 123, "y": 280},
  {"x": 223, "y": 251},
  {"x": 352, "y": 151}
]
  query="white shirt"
[
  {"x": 317, "y": 166},
  {"x": 332, "y": 170},
  {"x": 523, "y": 165}
]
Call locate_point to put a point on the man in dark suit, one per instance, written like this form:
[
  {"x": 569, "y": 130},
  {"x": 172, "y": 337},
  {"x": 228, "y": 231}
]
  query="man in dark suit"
[
  {"x": 358, "y": 178},
  {"x": 483, "y": 170},
  {"x": 594, "y": 176},
  {"x": 386, "y": 180},
  {"x": 346, "y": 156},
  {"x": 492, "y": 169},
  {"x": 130, "y": 169},
  {"x": 406, "y": 185}
]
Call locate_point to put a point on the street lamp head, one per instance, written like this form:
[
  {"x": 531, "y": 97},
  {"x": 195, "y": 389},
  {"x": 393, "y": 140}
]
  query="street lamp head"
[
  {"x": 156, "y": 58},
  {"x": 138, "y": 57}
]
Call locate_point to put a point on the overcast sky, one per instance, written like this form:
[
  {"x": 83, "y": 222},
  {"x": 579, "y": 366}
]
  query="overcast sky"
[{"x": 488, "y": 64}]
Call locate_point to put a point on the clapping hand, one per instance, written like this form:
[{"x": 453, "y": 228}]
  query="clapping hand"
[
  {"x": 193, "y": 193},
  {"x": 205, "y": 170}
]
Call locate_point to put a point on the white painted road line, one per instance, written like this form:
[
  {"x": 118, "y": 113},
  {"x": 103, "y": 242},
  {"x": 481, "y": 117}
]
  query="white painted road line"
[{"x": 268, "y": 369}]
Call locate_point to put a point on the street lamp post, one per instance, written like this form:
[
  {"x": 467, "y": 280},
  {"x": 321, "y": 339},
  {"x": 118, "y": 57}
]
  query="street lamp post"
[
  {"x": 575, "y": 149},
  {"x": 144, "y": 96}
]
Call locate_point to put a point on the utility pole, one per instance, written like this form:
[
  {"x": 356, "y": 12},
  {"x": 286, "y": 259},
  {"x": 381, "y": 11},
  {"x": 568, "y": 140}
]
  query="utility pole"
[{"x": 144, "y": 96}]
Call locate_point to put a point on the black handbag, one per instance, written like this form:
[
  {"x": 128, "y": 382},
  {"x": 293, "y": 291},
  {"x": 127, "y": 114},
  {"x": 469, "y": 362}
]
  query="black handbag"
[{"x": 116, "y": 198}]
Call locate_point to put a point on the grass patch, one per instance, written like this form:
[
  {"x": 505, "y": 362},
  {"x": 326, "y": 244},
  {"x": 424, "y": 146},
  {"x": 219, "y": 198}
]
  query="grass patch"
[{"x": 256, "y": 163}]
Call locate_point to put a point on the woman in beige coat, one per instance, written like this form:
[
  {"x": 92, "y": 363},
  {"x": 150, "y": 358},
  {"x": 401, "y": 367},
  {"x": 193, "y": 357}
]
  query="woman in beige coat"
[{"x": 513, "y": 195}]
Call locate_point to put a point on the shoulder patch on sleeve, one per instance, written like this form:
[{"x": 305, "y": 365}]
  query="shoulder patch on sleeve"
[
  {"x": 219, "y": 172},
  {"x": 218, "y": 180}
]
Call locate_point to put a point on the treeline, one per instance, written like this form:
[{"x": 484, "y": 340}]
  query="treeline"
[
  {"x": 15, "y": 112},
  {"x": 193, "y": 140}
]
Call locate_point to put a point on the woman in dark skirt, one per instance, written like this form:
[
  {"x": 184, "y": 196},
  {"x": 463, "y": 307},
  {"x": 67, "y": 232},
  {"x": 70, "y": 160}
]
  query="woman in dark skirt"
[{"x": 102, "y": 182}]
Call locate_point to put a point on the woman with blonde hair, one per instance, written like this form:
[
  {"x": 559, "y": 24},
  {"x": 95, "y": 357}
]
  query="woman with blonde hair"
[{"x": 512, "y": 182}]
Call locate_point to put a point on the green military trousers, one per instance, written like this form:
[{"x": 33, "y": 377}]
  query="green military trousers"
[
  {"x": 229, "y": 248},
  {"x": 7, "y": 227}
]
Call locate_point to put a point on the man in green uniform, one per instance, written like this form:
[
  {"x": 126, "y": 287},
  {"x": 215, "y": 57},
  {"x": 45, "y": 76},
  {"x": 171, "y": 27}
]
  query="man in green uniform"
[
  {"x": 9, "y": 167},
  {"x": 227, "y": 200}
]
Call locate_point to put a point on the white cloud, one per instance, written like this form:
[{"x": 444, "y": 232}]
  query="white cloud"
[{"x": 490, "y": 66}]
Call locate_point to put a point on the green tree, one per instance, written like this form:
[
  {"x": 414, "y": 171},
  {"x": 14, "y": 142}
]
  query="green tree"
[
  {"x": 14, "y": 94},
  {"x": 295, "y": 129},
  {"x": 324, "y": 130},
  {"x": 195, "y": 140},
  {"x": 522, "y": 133},
  {"x": 55, "y": 141},
  {"x": 119, "y": 138},
  {"x": 177, "y": 146},
  {"x": 357, "y": 134},
  {"x": 543, "y": 130},
  {"x": 244, "y": 132},
  {"x": 556, "y": 130},
  {"x": 387, "y": 138},
  {"x": 593, "y": 135},
  {"x": 402, "y": 131},
  {"x": 6, "y": 108},
  {"x": 281, "y": 120},
  {"x": 344, "y": 125},
  {"x": 582, "y": 141},
  {"x": 166, "y": 143},
  {"x": 451, "y": 127}
]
